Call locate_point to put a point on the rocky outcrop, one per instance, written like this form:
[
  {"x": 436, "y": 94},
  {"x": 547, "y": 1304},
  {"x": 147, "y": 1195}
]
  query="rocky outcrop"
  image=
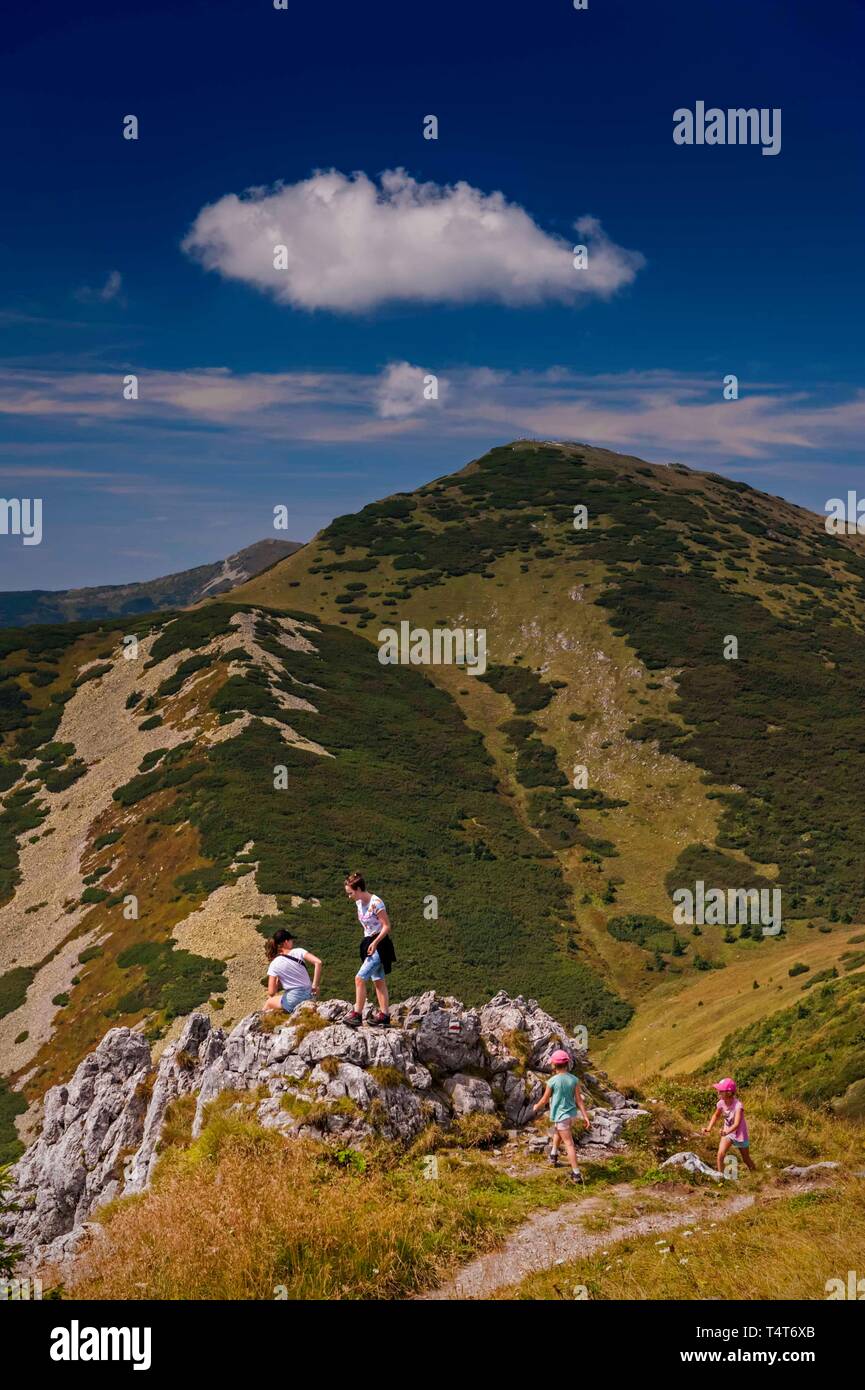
[
  {"x": 90, "y": 1128},
  {"x": 310, "y": 1075}
]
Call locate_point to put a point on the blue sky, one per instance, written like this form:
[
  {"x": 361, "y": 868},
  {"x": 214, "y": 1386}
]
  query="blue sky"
[{"x": 305, "y": 387}]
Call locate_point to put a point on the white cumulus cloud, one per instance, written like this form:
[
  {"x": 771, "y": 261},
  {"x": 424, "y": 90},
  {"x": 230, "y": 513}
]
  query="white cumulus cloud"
[{"x": 352, "y": 244}]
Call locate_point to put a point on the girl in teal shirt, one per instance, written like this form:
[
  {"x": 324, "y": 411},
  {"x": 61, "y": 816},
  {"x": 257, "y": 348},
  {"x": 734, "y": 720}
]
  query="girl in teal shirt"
[{"x": 564, "y": 1097}]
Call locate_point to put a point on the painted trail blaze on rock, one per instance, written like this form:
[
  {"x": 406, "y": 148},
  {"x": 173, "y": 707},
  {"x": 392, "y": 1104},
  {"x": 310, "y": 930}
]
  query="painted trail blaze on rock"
[{"x": 439, "y": 1061}]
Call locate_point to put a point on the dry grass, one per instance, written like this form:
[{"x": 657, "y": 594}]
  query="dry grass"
[
  {"x": 241, "y": 1212},
  {"x": 520, "y": 1044},
  {"x": 273, "y": 1019},
  {"x": 476, "y": 1131},
  {"x": 177, "y": 1122},
  {"x": 389, "y": 1077},
  {"x": 304, "y": 1020}
]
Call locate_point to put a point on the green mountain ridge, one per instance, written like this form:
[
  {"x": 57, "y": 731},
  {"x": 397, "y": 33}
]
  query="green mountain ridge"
[{"x": 526, "y": 825}]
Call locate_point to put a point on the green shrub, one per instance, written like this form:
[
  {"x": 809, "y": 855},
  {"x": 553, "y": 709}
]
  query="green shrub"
[
  {"x": 94, "y": 673},
  {"x": 524, "y": 688},
  {"x": 94, "y": 895},
  {"x": 12, "y": 1103},
  {"x": 13, "y": 988}
]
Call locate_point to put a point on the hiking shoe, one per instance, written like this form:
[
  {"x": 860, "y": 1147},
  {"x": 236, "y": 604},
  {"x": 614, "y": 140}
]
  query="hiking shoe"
[
  {"x": 576, "y": 1175},
  {"x": 353, "y": 1020},
  {"x": 553, "y": 1156},
  {"x": 379, "y": 1020}
]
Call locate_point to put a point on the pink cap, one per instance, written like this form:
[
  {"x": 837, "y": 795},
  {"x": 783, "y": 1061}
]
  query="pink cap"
[
  {"x": 559, "y": 1057},
  {"x": 728, "y": 1084}
]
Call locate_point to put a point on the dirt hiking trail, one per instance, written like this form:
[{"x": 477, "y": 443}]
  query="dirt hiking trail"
[{"x": 553, "y": 1237}]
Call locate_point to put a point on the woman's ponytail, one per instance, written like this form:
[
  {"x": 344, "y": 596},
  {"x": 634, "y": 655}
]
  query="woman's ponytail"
[{"x": 273, "y": 943}]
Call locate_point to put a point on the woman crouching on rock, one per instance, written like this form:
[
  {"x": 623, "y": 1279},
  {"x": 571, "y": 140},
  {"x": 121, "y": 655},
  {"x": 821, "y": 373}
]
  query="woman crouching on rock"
[
  {"x": 287, "y": 979},
  {"x": 376, "y": 952}
]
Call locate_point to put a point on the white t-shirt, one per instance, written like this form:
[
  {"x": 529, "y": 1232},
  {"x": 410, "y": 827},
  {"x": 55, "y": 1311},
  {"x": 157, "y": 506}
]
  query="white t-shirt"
[
  {"x": 289, "y": 970},
  {"x": 369, "y": 915}
]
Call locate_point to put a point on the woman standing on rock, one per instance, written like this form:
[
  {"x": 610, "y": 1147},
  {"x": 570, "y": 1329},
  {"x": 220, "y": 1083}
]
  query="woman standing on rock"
[
  {"x": 287, "y": 979},
  {"x": 376, "y": 952}
]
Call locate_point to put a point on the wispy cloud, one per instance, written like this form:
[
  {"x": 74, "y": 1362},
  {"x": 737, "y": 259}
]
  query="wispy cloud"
[
  {"x": 35, "y": 470},
  {"x": 350, "y": 244},
  {"x": 658, "y": 414},
  {"x": 110, "y": 292}
]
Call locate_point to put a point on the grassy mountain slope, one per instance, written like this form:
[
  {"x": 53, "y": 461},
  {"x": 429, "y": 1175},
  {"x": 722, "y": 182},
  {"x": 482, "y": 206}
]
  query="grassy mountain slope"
[
  {"x": 26, "y": 606},
  {"x": 156, "y": 812},
  {"x": 814, "y": 1050},
  {"x": 164, "y": 811},
  {"x": 742, "y": 772}
]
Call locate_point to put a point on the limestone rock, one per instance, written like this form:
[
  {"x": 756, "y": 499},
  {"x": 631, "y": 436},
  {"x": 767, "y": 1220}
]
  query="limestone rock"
[
  {"x": 91, "y": 1126},
  {"x": 470, "y": 1095},
  {"x": 180, "y": 1072},
  {"x": 810, "y": 1170},
  {"x": 692, "y": 1163},
  {"x": 309, "y": 1075},
  {"x": 518, "y": 1096},
  {"x": 449, "y": 1038}
]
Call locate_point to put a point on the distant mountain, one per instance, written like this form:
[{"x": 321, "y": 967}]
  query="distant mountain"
[{"x": 19, "y": 609}]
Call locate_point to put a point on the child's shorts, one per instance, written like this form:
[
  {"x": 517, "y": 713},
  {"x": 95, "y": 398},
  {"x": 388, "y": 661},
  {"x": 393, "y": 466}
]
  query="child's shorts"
[
  {"x": 372, "y": 968},
  {"x": 740, "y": 1143},
  {"x": 565, "y": 1126}
]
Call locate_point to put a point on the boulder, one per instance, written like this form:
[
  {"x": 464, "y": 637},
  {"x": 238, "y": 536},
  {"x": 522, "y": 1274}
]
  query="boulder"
[
  {"x": 810, "y": 1170},
  {"x": 469, "y": 1095},
  {"x": 449, "y": 1038},
  {"x": 518, "y": 1095},
  {"x": 692, "y": 1163},
  {"x": 347, "y": 1081},
  {"x": 348, "y": 1044},
  {"x": 607, "y": 1126}
]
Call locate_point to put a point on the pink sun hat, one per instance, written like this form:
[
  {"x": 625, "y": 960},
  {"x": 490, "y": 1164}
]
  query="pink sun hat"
[
  {"x": 559, "y": 1057},
  {"x": 728, "y": 1084}
]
